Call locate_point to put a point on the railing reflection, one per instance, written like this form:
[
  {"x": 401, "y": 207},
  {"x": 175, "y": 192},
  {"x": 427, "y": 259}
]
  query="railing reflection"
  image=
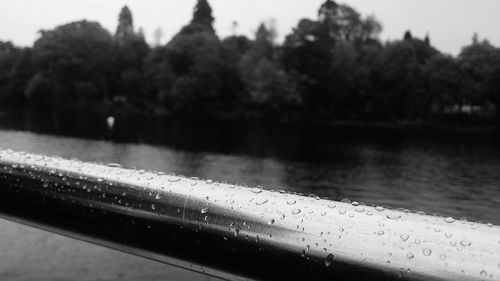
[{"x": 239, "y": 233}]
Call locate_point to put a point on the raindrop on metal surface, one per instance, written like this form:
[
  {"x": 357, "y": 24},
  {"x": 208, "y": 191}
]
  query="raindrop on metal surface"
[
  {"x": 360, "y": 209},
  {"x": 328, "y": 260},
  {"x": 393, "y": 216},
  {"x": 261, "y": 202},
  {"x": 465, "y": 243},
  {"x": 427, "y": 252},
  {"x": 256, "y": 190},
  {"x": 449, "y": 220}
]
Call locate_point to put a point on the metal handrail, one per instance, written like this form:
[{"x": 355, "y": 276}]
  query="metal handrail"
[{"x": 239, "y": 233}]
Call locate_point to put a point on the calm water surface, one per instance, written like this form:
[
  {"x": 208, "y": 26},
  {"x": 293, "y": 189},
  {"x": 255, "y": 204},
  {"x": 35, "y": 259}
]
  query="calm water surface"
[{"x": 460, "y": 179}]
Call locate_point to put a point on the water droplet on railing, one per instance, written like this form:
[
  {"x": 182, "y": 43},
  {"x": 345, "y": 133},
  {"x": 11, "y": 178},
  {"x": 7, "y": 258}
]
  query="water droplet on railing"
[
  {"x": 256, "y": 190},
  {"x": 342, "y": 211},
  {"x": 404, "y": 237},
  {"x": 261, "y": 202},
  {"x": 296, "y": 211},
  {"x": 360, "y": 209},
  {"x": 328, "y": 260},
  {"x": 380, "y": 209},
  {"x": 427, "y": 252},
  {"x": 314, "y": 196},
  {"x": 465, "y": 243},
  {"x": 271, "y": 221},
  {"x": 153, "y": 206},
  {"x": 410, "y": 255},
  {"x": 380, "y": 232},
  {"x": 393, "y": 216},
  {"x": 484, "y": 273},
  {"x": 291, "y": 202},
  {"x": 204, "y": 210},
  {"x": 442, "y": 257},
  {"x": 332, "y": 205},
  {"x": 449, "y": 220}
]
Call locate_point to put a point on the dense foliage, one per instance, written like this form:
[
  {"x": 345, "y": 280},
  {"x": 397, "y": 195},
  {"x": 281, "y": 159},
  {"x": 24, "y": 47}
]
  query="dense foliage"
[{"x": 331, "y": 67}]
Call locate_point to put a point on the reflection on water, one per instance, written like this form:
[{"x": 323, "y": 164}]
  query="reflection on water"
[{"x": 386, "y": 167}]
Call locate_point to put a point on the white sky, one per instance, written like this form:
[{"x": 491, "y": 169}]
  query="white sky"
[{"x": 450, "y": 23}]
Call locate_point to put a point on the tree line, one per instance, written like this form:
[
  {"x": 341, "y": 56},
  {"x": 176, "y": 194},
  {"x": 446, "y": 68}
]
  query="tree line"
[{"x": 331, "y": 67}]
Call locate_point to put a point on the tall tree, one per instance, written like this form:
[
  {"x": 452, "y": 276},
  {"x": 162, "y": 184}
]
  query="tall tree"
[
  {"x": 125, "y": 24},
  {"x": 76, "y": 59},
  {"x": 407, "y": 36},
  {"x": 323, "y": 54},
  {"x": 265, "y": 80},
  {"x": 9, "y": 58},
  {"x": 130, "y": 50},
  {"x": 479, "y": 62},
  {"x": 192, "y": 69},
  {"x": 203, "y": 14}
]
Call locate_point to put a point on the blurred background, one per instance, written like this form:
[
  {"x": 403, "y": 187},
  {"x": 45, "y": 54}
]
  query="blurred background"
[{"x": 387, "y": 102}]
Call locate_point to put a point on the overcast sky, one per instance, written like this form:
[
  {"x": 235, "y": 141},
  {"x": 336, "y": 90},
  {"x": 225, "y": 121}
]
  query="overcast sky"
[{"x": 450, "y": 23}]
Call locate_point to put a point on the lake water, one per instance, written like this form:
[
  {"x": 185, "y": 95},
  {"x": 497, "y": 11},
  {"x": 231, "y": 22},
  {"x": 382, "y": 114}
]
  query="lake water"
[{"x": 453, "y": 175}]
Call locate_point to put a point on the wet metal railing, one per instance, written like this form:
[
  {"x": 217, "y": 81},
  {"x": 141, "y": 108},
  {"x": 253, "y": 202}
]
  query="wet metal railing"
[{"x": 238, "y": 233}]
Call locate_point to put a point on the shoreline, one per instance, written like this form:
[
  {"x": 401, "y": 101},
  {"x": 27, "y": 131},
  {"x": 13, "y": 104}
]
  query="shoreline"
[{"x": 17, "y": 117}]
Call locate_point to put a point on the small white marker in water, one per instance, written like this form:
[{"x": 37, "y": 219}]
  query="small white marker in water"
[{"x": 110, "y": 120}]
